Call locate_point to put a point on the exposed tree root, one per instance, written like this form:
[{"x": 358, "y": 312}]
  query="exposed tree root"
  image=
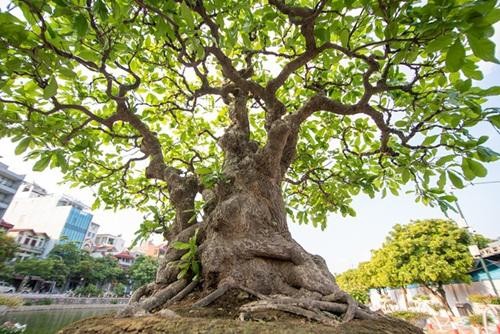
[
  {"x": 325, "y": 311},
  {"x": 183, "y": 293},
  {"x": 213, "y": 296},
  {"x": 341, "y": 296},
  {"x": 266, "y": 305}
]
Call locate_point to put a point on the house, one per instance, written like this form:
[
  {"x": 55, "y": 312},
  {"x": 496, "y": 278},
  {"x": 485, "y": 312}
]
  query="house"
[
  {"x": 30, "y": 243},
  {"x": 4, "y": 226},
  {"x": 125, "y": 259}
]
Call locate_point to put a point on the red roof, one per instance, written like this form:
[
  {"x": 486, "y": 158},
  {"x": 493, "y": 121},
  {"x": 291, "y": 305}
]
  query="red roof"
[
  {"x": 124, "y": 255},
  {"x": 5, "y": 225}
]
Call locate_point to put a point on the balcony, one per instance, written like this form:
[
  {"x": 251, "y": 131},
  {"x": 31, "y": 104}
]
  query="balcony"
[{"x": 7, "y": 189}]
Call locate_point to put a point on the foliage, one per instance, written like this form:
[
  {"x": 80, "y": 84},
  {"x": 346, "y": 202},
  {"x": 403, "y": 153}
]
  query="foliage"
[
  {"x": 88, "y": 291},
  {"x": 484, "y": 299},
  {"x": 48, "y": 269},
  {"x": 480, "y": 240},
  {"x": 10, "y": 301},
  {"x": 379, "y": 94},
  {"x": 422, "y": 297},
  {"x": 44, "y": 301},
  {"x": 428, "y": 252},
  {"x": 8, "y": 249},
  {"x": 11, "y": 329},
  {"x": 119, "y": 289},
  {"x": 69, "y": 252},
  {"x": 143, "y": 271},
  {"x": 99, "y": 270},
  {"x": 410, "y": 316},
  {"x": 477, "y": 320},
  {"x": 189, "y": 263},
  {"x": 68, "y": 261},
  {"x": 356, "y": 282}
]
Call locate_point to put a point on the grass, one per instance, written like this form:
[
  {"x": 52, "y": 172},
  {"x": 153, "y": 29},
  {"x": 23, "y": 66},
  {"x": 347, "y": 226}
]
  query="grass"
[{"x": 10, "y": 301}]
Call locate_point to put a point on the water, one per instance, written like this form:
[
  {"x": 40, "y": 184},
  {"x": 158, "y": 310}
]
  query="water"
[{"x": 49, "y": 322}]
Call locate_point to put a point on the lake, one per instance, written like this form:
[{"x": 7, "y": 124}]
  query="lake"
[{"x": 49, "y": 322}]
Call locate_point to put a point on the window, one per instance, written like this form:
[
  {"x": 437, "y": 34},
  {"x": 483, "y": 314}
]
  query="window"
[
  {"x": 26, "y": 241},
  {"x": 33, "y": 243}
]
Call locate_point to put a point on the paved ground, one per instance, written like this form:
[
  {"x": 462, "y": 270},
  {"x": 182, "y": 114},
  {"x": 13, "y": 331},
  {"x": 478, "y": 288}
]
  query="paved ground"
[{"x": 440, "y": 325}]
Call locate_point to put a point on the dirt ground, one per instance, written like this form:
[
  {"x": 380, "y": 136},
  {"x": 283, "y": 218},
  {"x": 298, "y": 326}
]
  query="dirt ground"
[
  {"x": 222, "y": 317},
  {"x": 156, "y": 325}
]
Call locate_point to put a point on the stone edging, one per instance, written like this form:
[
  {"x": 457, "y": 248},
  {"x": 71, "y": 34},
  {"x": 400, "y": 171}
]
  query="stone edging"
[{"x": 55, "y": 307}]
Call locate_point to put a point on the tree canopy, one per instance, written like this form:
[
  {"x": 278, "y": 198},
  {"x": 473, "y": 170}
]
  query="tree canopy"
[
  {"x": 143, "y": 270},
  {"x": 8, "y": 249},
  {"x": 339, "y": 97},
  {"x": 431, "y": 253}
]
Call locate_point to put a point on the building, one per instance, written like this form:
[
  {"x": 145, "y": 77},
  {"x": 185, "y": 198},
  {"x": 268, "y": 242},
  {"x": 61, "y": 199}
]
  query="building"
[
  {"x": 125, "y": 259},
  {"x": 31, "y": 190},
  {"x": 102, "y": 251},
  {"x": 4, "y": 226},
  {"x": 9, "y": 183},
  {"x": 148, "y": 248},
  {"x": 61, "y": 217},
  {"x": 89, "y": 242},
  {"x": 110, "y": 240},
  {"x": 30, "y": 243}
]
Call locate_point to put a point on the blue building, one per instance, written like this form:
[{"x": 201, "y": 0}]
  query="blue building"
[
  {"x": 491, "y": 257},
  {"x": 61, "y": 217}
]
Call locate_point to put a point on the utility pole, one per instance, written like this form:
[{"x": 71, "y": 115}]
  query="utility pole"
[{"x": 475, "y": 251}]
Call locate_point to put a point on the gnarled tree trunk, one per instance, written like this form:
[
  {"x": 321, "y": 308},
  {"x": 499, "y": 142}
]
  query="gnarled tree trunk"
[{"x": 243, "y": 240}]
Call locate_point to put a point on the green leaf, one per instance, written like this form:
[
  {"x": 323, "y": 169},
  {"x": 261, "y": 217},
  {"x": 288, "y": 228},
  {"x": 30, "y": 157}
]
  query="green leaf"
[
  {"x": 455, "y": 56},
  {"x": 455, "y": 180},
  {"x": 180, "y": 245},
  {"x": 482, "y": 48},
  {"x": 187, "y": 15},
  {"x": 492, "y": 91},
  {"x": 475, "y": 167},
  {"x": 439, "y": 43},
  {"x": 22, "y": 146},
  {"x": 80, "y": 25},
  {"x": 429, "y": 140},
  {"x": 443, "y": 160},
  {"x": 467, "y": 170},
  {"x": 51, "y": 88},
  {"x": 101, "y": 9},
  {"x": 41, "y": 164},
  {"x": 495, "y": 120}
]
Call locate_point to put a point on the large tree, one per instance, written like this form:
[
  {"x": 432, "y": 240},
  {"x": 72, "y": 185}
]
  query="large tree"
[
  {"x": 8, "y": 248},
  {"x": 226, "y": 117},
  {"x": 431, "y": 252}
]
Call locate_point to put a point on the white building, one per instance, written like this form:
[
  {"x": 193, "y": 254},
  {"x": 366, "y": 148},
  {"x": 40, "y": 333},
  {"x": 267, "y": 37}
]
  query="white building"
[
  {"x": 58, "y": 216},
  {"x": 89, "y": 242},
  {"x": 29, "y": 242},
  {"x": 9, "y": 183},
  {"x": 125, "y": 259},
  {"x": 110, "y": 240}
]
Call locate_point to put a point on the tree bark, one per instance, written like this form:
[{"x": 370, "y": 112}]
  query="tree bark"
[{"x": 243, "y": 240}]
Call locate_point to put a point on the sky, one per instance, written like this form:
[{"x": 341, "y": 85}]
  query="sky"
[{"x": 346, "y": 241}]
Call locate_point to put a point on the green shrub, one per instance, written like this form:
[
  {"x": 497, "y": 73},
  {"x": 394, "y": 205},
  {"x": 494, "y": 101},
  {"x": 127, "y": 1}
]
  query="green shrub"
[
  {"x": 11, "y": 328},
  {"x": 45, "y": 301},
  {"x": 484, "y": 299},
  {"x": 114, "y": 301},
  {"x": 10, "y": 301},
  {"x": 119, "y": 289},
  {"x": 421, "y": 297},
  {"x": 477, "y": 319},
  {"x": 410, "y": 316},
  {"x": 89, "y": 290}
]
